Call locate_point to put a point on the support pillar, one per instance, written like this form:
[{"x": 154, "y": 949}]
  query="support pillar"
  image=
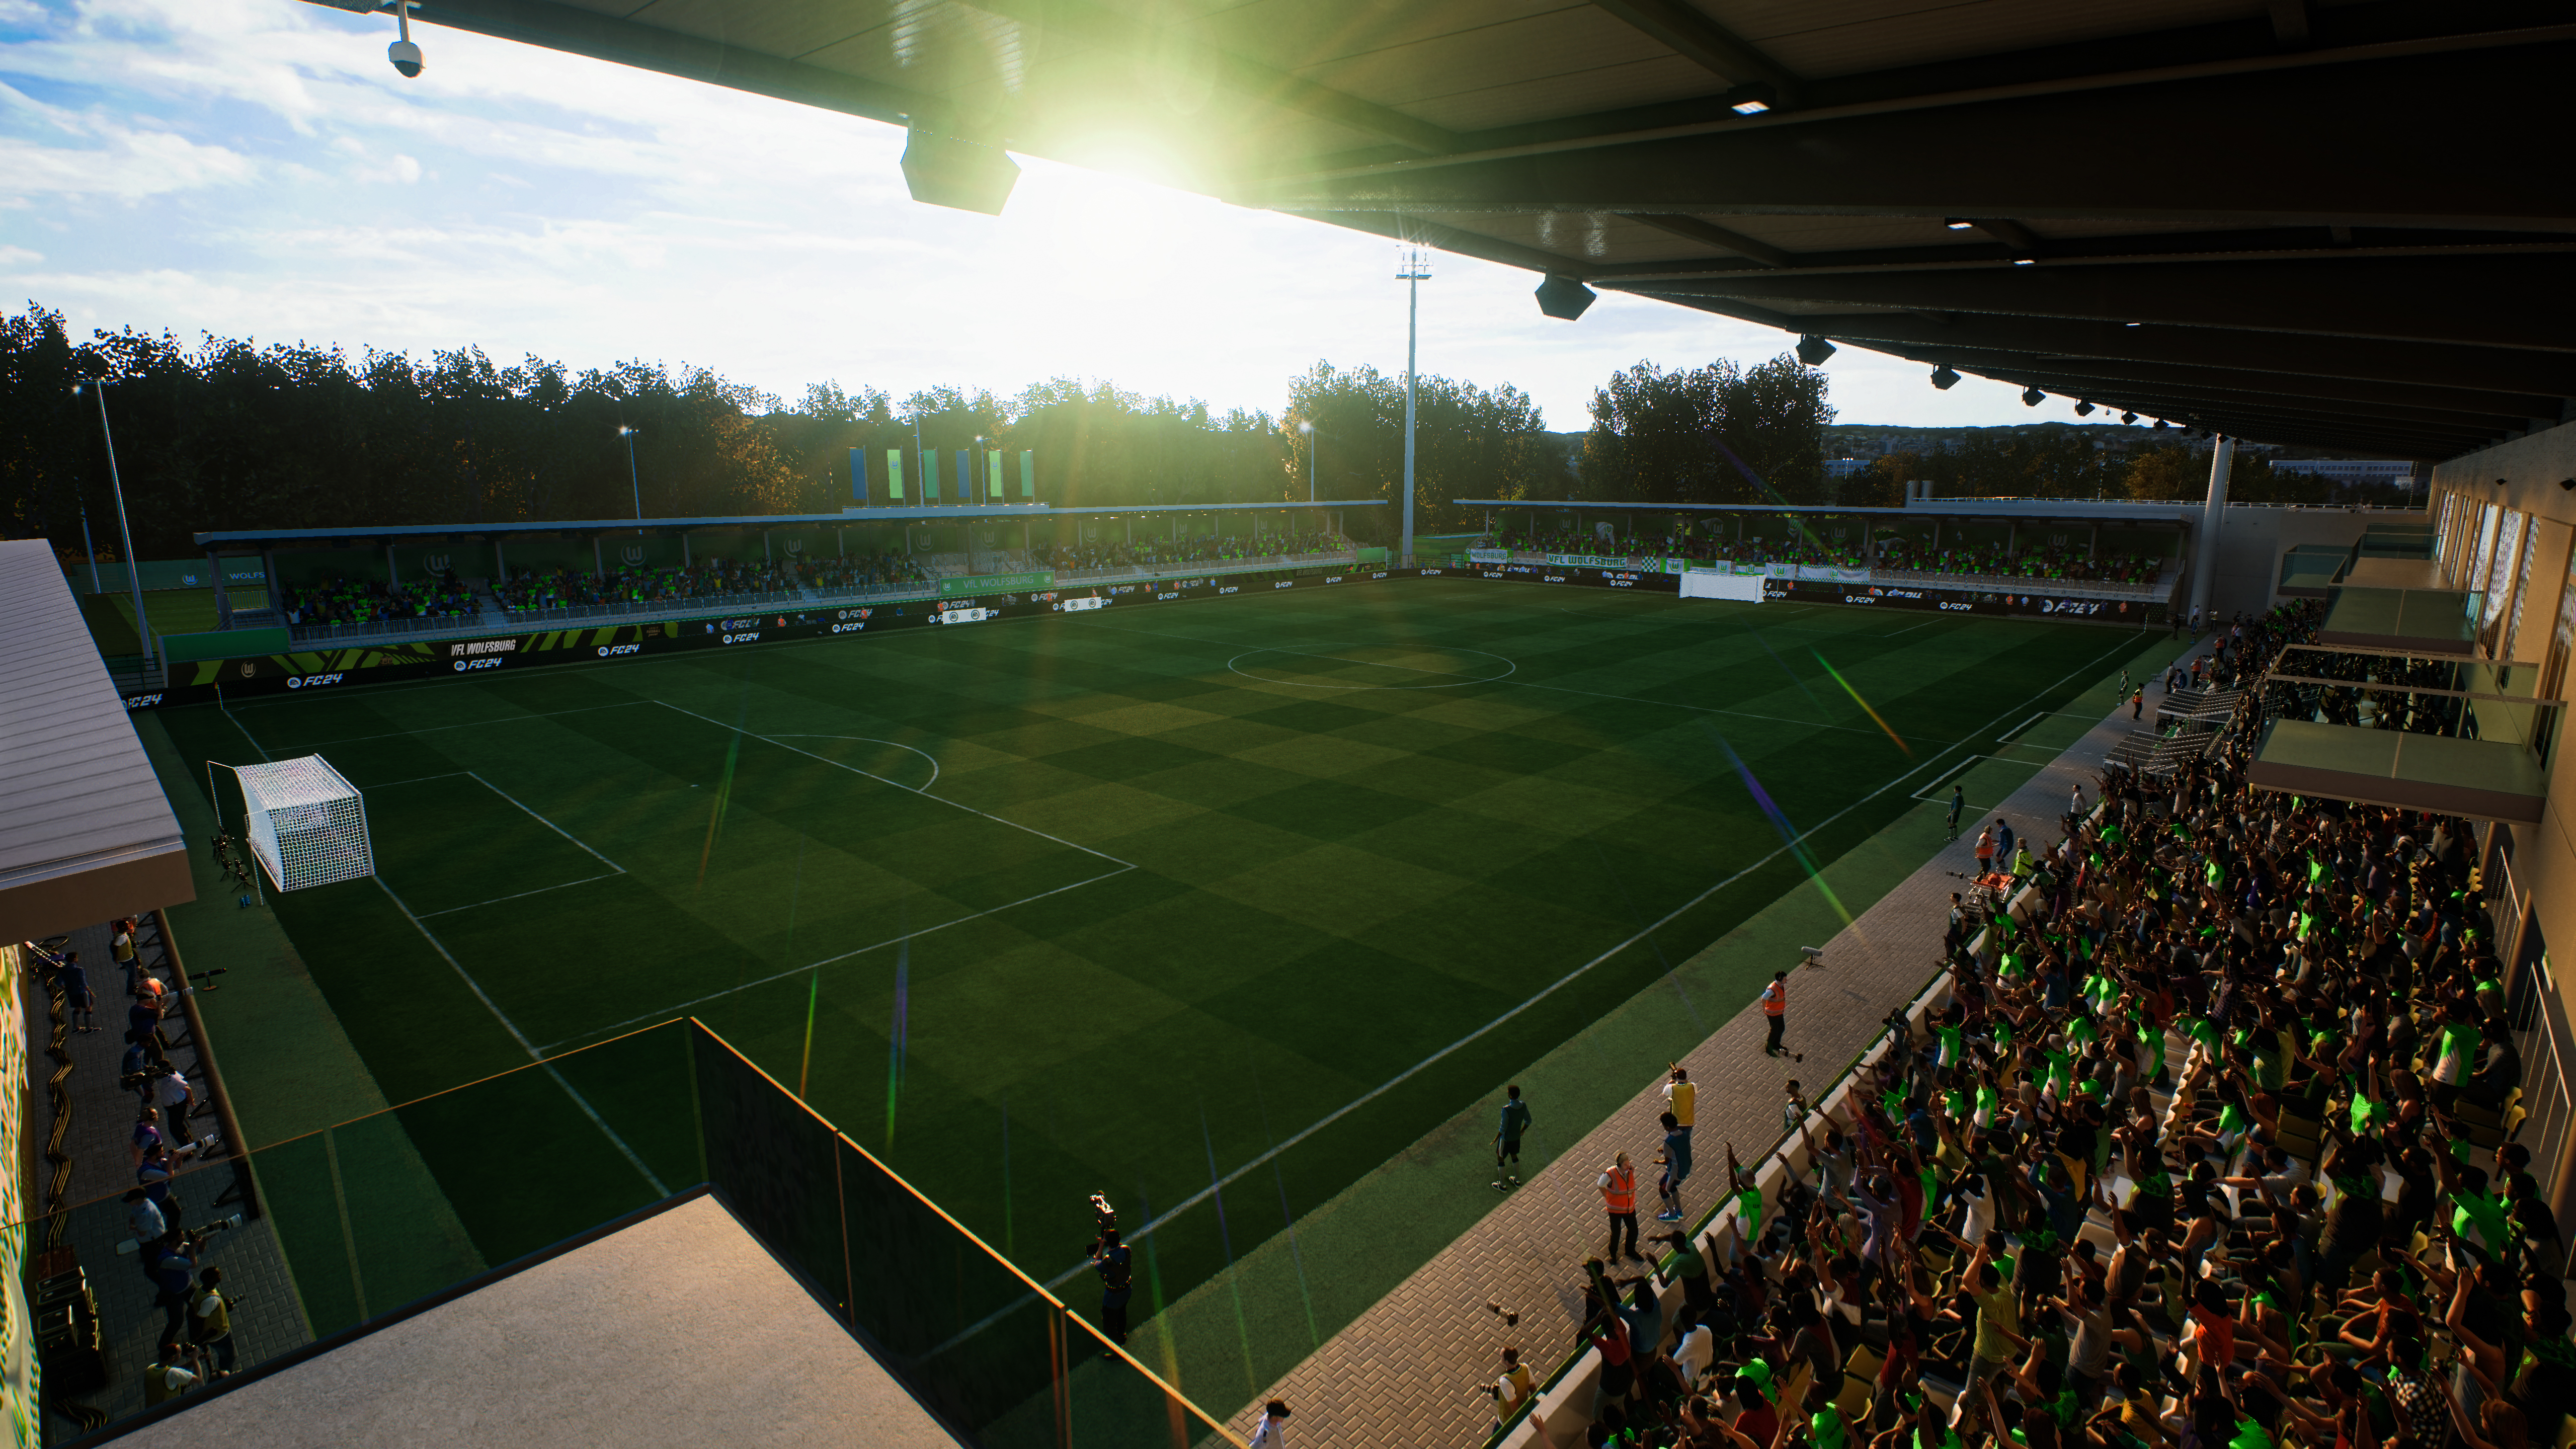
[
  {"x": 2213, "y": 514},
  {"x": 393, "y": 575},
  {"x": 684, "y": 553},
  {"x": 598, "y": 559}
]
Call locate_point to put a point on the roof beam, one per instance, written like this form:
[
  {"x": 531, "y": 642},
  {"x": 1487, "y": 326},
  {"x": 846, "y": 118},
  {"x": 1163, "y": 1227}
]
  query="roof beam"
[
  {"x": 2479, "y": 368},
  {"x": 2019, "y": 238},
  {"x": 1416, "y": 231},
  {"x": 2352, "y": 34},
  {"x": 2515, "y": 301},
  {"x": 2069, "y": 156},
  {"x": 576, "y": 31},
  {"x": 2287, "y": 243},
  {"x": 1710, "y": 233},
  {"x": 1683, "y": 29},
  {"x": 2499, "y": 408}
]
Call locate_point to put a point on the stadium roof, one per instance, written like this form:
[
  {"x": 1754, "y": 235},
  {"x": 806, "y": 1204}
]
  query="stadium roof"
[
  {"x": 261, "y": 538},
  {"x": 2116, "y": 510},
  {"x": 2330, "y": 222},
  {"x": 85, "y": 833}
]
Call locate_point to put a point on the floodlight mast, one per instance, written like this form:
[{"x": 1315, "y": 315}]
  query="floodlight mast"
[
  {"x": 124, "y": 531},
  {"x": 1413, "y": 268},
  {"x": 633, "y": 482}
]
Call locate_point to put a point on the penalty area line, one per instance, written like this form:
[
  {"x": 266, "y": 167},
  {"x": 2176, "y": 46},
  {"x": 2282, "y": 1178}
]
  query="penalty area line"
[
  {"x": 898, "y": 784},
  {"x": 521, "y": 1038},
  {"x": 521, "y": 896},
  {"x": 670, "y": 1011}
]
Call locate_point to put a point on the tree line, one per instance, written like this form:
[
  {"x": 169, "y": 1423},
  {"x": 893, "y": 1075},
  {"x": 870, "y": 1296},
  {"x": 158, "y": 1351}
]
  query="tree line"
[{"x": 229, "y": 433}]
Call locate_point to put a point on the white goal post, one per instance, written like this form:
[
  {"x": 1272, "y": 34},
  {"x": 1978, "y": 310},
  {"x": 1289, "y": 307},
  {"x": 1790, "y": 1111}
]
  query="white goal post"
[{"x": 306, "y": 825}]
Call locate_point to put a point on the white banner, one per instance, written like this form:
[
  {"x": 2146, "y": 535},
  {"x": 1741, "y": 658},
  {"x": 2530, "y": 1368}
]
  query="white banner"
[{"x": 1712, "y": 584}]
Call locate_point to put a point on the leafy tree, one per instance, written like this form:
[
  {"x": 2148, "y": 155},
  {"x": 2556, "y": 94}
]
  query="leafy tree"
[
  {"x": 1469, "y": 442},
  {"x": 1667, "y": 437}
]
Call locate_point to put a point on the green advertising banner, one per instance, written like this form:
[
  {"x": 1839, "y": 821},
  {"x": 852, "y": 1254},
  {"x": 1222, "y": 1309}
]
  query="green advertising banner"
[{"x": 967, "y": 588}]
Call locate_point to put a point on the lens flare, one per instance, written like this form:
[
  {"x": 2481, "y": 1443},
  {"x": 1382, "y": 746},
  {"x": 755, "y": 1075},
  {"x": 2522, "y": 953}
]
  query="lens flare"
[
  {"x": 1225, "y": 1239},
  {"x": 1864, "y": 704},
  {"x": 902, "y": 1028},
  {"x": 716, "y": 807},
  {"x": 813, "y": 999},
  {"x": 1780, "y": 822},
  {"x": 1785, "y": 669}
]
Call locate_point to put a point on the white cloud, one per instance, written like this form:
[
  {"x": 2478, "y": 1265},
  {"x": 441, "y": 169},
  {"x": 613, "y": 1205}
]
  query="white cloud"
[{"x": 198, "y": 164}]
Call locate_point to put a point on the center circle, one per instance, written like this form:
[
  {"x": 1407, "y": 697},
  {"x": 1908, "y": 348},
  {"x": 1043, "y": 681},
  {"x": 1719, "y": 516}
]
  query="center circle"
[{"x": 1372, "y": 666}]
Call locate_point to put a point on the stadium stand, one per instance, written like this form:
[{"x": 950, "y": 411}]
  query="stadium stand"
[{"x": 2202, "y": 1137}]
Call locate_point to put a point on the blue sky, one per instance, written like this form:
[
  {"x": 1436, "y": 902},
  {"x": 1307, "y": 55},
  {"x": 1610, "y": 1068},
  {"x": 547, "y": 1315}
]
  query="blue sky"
[{"x": 255, "y": 168}]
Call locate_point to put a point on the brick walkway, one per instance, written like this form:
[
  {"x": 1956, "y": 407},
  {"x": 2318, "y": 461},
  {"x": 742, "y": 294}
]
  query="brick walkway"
[{"x": 1405, "y": 1372}]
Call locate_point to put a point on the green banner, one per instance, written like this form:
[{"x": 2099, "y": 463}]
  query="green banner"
[
  {"x": 185, "y": 573},
  {"x": 224, "y": 644},
  {"x": 967, "y": 588}
]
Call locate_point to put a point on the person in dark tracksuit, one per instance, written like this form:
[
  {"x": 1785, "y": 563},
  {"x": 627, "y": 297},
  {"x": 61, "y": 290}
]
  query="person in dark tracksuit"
[{"x": 1507, "y": 1139}]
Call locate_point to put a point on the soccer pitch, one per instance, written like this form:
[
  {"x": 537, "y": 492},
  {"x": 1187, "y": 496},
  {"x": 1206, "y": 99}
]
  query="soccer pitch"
[{"x": 1138, "y": 901}]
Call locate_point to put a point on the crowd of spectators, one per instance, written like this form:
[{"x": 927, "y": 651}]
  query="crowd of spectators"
[
  {"x": 349, "y": 601},
  {"x": 704, "y": 579},
  {"x": 2209, "y": 1149},
  {"x": 2067, "y": 562},
  {"x": 1165, "y": 552},
  {"x": 174, "y": 1130},
  {"x": 2064, "y": 562}
]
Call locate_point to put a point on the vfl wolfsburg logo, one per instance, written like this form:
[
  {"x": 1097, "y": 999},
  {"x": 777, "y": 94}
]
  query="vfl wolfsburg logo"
[
  {"x": 438, "y": 563},
  {"x": 634, "y": 553},
  {"x": 795, "y": 545}
]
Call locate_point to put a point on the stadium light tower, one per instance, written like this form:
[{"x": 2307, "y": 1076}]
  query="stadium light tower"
[
  {"x": 1309, "y": 430},
  {"x": 1412, "y": 268},
  {"x": 632, "y": 481},
  {"x": 124, "y": 531}
]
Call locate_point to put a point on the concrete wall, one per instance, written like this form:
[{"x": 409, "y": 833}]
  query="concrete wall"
[
  {"x": 2255, "y": 538},
  {"x": 2539, "y": 860}
]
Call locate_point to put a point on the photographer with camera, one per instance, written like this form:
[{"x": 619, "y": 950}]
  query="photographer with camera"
[
  {"x": 210, "y": 1322},
  {"x": 171, "y": 1373},
  {"x": 1116, "y": 1266}
]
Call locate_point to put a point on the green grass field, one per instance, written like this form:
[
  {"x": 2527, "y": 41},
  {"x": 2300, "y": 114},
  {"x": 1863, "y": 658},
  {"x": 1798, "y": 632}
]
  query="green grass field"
[
  {"x": 171, "y": 611},
  {"x": 1135, "y": 901}
]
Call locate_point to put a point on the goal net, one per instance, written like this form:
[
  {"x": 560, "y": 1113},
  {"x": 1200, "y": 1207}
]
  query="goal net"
[{"x": 307, "y": 825}]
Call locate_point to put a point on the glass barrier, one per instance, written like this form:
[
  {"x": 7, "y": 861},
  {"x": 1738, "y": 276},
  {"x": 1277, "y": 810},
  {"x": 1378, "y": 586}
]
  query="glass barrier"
[
  {"x": 1002, "y": 1361},
  {"x": 341, "y": 1227}
]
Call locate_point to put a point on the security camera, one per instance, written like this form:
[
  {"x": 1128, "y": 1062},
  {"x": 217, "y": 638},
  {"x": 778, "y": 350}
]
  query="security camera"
[{"x": 404, "y": 54}]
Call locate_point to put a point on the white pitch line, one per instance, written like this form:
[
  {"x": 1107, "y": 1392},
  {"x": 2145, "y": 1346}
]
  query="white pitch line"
[
  {"x": 1705, "y": 709},
  {"x": 669, "y": 1011},
  {"x": 521, "y": 1038},
  {"x": 523, "y": 895},
  {"x": 471, "y": 724},
  {"x": 415, "y": 780},
  {"x": 1926, "y": 624},
  {"x": 855, "y": 770},
  {"x": 237, "y": 724},
  {"x": 550, "y": 825},
  {"x": 873, "y": 740},
  {"x": 1203, "y": 1194}
]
